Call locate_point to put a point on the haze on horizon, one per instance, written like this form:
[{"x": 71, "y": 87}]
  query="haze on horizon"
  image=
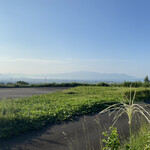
[{"x": 59, "y": 36}]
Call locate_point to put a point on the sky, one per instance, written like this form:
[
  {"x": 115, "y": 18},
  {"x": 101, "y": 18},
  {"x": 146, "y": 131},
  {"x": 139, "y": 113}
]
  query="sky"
[{"x": 59, "y": 36}]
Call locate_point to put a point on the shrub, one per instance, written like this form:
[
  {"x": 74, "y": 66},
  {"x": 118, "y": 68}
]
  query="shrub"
[
  {"x": 112, "y": 142},
  {"x": 22, "y": 83},
  {"x": 103, "y": 84}
]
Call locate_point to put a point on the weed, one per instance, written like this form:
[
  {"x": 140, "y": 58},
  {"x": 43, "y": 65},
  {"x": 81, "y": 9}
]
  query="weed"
[
  {"x": 128, "y": 107},
  {"x": 112, "y": 142}
]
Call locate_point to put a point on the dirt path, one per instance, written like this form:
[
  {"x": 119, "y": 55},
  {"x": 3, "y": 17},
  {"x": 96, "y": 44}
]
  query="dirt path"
[{"x": 26, "y": 92}]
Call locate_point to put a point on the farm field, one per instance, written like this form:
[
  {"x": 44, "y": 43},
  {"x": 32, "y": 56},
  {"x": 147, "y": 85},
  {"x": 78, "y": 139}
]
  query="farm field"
[{"x": 19, "y": 115}]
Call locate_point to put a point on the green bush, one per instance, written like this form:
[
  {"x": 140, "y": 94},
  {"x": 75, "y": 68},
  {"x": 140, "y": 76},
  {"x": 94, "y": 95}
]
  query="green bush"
[
  {"x": 22, "y": 83},
  {"x": 103, "y": 84},
  {"x": 112, "y": 142}
]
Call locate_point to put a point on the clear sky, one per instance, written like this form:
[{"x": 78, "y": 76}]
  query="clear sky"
[{"x": 52, "y": 36}]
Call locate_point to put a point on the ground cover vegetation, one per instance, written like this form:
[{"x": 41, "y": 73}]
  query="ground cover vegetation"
[
  {"x": 19, "y": 115},
  {"x": 139, "y": 140},
  {"x": 128, "y": 107}
]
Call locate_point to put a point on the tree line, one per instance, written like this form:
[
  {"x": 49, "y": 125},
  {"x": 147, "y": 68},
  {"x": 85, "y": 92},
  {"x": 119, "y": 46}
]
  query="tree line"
[{"x": 146, "y": 83}]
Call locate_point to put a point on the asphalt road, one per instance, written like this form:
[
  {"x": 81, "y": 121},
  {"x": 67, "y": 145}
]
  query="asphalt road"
[
  {"x": 72, "y": 135},
  {"x": 26, "y": 92},
  {"x": 82, "y": 134}
]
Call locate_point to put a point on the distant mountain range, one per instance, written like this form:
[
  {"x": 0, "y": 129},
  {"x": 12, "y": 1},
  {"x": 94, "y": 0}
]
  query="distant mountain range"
[
  {"x": 82, "y": 75},
  {"x": 74, "y": 76}
]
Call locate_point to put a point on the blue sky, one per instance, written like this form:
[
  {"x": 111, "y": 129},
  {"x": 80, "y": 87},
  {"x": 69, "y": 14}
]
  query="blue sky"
[{"x": 55, "y": 36}]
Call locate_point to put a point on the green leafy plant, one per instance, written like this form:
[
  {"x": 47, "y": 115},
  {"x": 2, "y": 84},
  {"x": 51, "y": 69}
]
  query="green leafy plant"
[
  {"x": 140, "y": 139},
  {"x": 19, "y": 115},
  {"x": 112, "y": 142},
  {"x": 147, "y": 147},
  {"x": 128, "y": 107}
]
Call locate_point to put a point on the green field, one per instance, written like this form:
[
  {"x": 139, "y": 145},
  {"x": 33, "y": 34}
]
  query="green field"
[{"x": 34, "y": 112}]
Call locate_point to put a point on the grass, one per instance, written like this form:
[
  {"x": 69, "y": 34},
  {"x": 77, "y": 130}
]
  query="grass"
[
  {"x": 128, "y": 107},
  {"x": 19, "y": 115},
  {"x": 140, "y": 140}
]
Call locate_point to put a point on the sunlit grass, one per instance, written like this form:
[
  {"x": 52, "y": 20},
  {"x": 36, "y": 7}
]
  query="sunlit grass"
[
  {"x": 34, "y": 112},
  {"x": 127, "y": 106},
  {"x": 139, "y": 140}
]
